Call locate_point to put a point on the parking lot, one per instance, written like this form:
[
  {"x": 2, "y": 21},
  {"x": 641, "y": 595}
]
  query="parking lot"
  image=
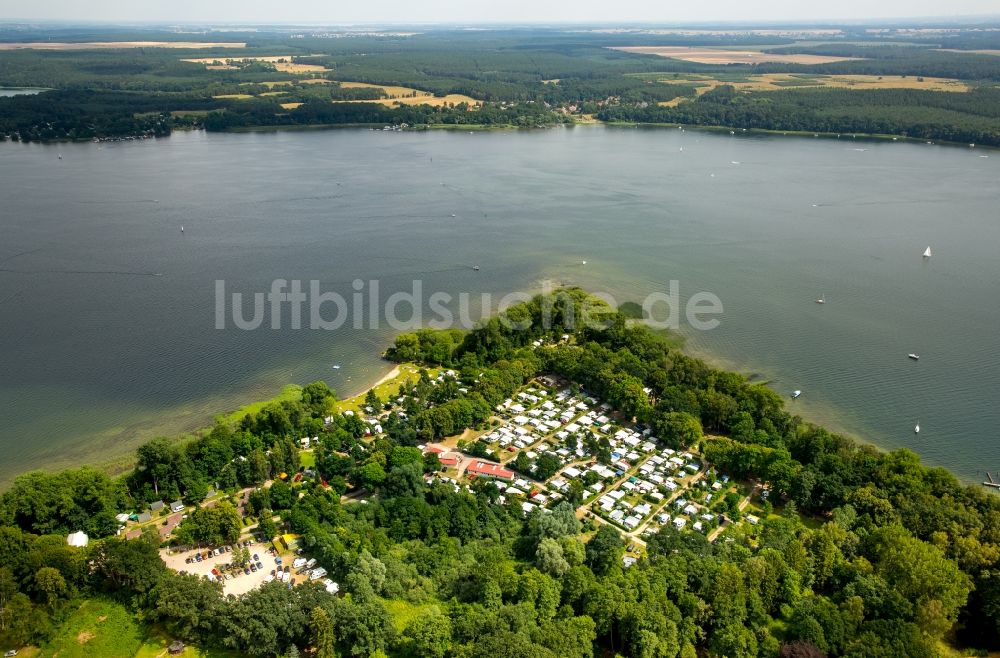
[{"x": 235, "y": 580}]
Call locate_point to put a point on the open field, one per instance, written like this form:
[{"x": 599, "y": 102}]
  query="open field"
[
  {"x": 975, "y": 52},
  {"x": 408, "y": 96},
  {"x": 434, "y": 101},
  {"x": 778, "y": 81},
  {"x": 107, "y": 629},
  {"x": 111, "y": 45},
  {"x": 789, "y": 33},
  {"x": 282, "y": 63},
  {"x": 97, "y": 628},
  {"x": 723, "y": 56},
  {"x": 391, "y": 90}
]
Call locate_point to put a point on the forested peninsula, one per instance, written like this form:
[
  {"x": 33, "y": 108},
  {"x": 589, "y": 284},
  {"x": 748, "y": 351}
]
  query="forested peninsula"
[{"x": 409, "y": 522}]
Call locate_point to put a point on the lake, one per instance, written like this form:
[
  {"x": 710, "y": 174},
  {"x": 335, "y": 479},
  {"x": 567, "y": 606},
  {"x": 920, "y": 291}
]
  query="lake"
[{"x": 107, "y": 309}]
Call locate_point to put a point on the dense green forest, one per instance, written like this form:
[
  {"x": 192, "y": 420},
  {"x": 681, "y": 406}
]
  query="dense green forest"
[
  {"x": 523, "y": 77},
  {"x": 867, "y": 554},
  {"x": 972, "y": 117}
]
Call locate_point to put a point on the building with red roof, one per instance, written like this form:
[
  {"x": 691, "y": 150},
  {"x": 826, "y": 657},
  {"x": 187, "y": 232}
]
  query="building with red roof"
[{"x": 489, "y": 469}]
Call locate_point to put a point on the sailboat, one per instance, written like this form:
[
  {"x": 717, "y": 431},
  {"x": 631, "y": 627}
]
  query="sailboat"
[
  {"x": 796, "y": 394},
  {"x": 822, "y": 299},
  {"x": 916, "y": 428},
  {"x": 927, "y": 252},
  {"x": 182, "y": 229}
]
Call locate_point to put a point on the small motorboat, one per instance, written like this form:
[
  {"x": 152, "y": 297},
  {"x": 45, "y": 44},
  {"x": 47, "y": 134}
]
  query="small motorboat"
[
  {"x": 916, "y": 428},
  {"x": 475, "y": 267},
  {"x": 822, "y": 299},
  {"x": 796, "y": 394},
  {"x": 336, "y": 366},
  {"x": 915, "y": 357}
]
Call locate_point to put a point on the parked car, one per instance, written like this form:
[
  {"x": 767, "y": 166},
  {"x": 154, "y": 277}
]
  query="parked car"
[
  {"x": 11, "y": 653},
  {"x": 260, "y": 566},
  {"x": 255, "y": 558}
]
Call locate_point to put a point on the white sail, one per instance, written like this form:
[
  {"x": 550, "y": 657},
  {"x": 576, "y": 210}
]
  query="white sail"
[{"x": 927, "y": 252}]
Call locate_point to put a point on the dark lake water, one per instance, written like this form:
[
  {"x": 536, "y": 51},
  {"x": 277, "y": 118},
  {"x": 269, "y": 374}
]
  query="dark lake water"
[{"x": 107, "y": 310}]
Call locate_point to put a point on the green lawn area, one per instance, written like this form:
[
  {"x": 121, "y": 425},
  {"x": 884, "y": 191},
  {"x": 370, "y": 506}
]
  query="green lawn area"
[
  {"x": 100, "y": 628},
  {"x": 97, "y": 628},
  {"x": 307, "y": 458},
  {"x": 403, "y": 612},
  {"x": 158, "y": 640}
]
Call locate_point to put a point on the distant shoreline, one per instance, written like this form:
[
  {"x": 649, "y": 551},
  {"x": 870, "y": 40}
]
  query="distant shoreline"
[{"x": 478, "y": 127}]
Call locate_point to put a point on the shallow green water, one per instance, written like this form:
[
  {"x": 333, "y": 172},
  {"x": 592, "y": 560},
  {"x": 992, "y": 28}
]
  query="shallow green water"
[{"x": 96, "y": 354}]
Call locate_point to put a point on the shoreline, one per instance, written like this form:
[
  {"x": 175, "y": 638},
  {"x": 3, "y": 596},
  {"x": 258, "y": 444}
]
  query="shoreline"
[
  {"x": 481, "y": 127},
  {"x": 854, "y": 137},
  {"x": 827, "y": 417},
  {"x": 389, "y": 376}
]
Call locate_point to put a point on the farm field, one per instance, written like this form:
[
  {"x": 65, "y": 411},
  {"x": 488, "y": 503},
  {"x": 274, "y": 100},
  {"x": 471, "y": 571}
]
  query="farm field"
[
  {"x": 282, "y": 63},
  {"x": 702, "y": 55},
  {"x": 409, "y": 96},
  {"x": 985, "y": 51},
  {"x": 778, "y": 81}
]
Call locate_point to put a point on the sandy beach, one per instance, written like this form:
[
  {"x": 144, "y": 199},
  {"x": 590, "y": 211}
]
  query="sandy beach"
[{"x": 392, "y": 374}]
